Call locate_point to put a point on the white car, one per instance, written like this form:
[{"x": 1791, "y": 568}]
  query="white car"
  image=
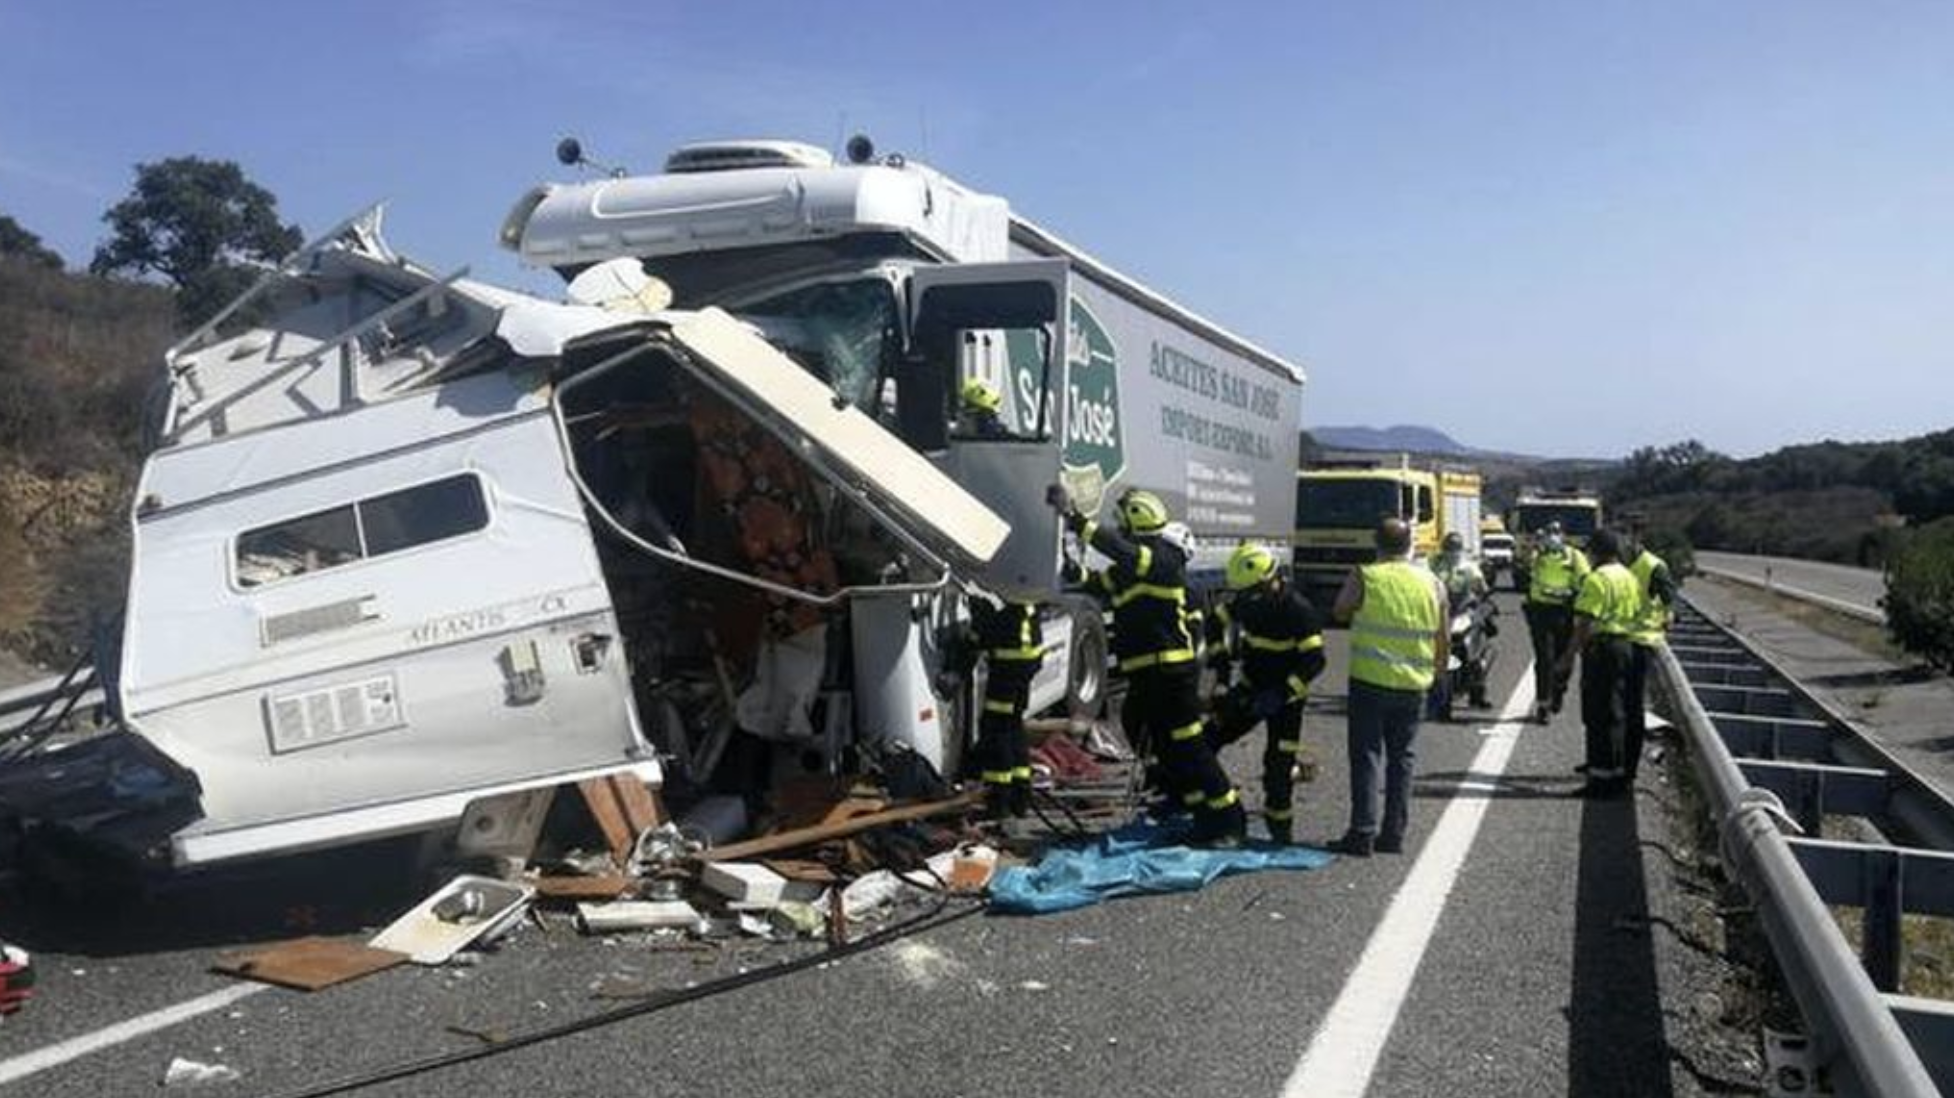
[{"x": 1495, "y": 556}]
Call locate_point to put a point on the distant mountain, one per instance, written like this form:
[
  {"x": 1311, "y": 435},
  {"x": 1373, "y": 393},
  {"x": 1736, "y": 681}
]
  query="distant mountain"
[{"x": 1417, "y": 440}]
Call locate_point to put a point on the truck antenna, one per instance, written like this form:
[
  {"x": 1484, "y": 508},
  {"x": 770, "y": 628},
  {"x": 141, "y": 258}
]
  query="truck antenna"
[{"x": 570, "y": 154}]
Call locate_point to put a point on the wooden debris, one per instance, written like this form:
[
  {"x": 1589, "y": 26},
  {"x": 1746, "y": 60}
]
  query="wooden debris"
[
  {"x": 309, "y": 964},
  {"x": 607, "y": 886},
  {"x": 854, "y": 825},
  {"x": 623, "y": 809}
]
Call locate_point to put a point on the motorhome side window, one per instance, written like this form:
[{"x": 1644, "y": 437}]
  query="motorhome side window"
[{"x": 367, "y": 528}]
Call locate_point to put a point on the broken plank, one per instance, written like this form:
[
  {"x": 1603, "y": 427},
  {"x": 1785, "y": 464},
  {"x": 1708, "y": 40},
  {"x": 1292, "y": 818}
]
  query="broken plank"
[
  {"x": 608, "y": 886},
  {"x": 623, "y": 809},
  {"x": 309, "y": 964},
  {"x": 820, "y": 833}
]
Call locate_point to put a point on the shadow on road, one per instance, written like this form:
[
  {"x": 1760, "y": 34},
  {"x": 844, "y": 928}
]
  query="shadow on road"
[
  {"x": 1616, "y": 1040},
  {"x": 330, "y": 892}
]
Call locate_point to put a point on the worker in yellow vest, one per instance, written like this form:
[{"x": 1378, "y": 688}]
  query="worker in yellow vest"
[
  {"x": 1606, "y": 613},
  {"x": 1658, "y": 590},
  {"x": 1398, "y": 644},
  {"x": 1557, "y": 572}
]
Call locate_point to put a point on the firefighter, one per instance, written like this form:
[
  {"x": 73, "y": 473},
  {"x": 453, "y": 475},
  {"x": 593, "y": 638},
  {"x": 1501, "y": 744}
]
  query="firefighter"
[
  {"x": 1557, "y": 571},
  {"x": 1146, "y": 583},
  {"x": 1606, "y": 612},
  {"x": 1013, "y": 645},
  {"x": 1658, "y": 590},
  {"x": 1279, "y": 639},
  {"x": 982, "y": 410}
]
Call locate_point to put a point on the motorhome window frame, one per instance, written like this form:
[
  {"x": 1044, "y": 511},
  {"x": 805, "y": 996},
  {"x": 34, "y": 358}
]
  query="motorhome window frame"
[{"x": 482, "y": 491}]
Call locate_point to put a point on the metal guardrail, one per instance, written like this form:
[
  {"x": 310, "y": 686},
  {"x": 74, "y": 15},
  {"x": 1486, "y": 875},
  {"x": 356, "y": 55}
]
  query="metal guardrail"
[
  {"x": 1872, "y": 614},
  {"x": 52, "y": 699},
  {"x": 1775, "y": 760}
]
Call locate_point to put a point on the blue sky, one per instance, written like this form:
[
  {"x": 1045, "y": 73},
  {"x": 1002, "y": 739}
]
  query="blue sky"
[{"x": 1562, "y": 228}]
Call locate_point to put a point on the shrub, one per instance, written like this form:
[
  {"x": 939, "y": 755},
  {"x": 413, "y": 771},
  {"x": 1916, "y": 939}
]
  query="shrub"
[{"x": 1919, "y": 598}]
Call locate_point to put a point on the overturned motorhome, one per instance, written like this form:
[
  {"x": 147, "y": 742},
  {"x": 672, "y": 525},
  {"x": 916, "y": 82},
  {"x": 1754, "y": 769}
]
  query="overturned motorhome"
[{"x": 411, "y": 546}]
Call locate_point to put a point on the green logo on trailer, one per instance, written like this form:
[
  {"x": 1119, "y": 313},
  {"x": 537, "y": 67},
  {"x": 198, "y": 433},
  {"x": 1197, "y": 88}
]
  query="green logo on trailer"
[{"x": 1094, "y": 454}]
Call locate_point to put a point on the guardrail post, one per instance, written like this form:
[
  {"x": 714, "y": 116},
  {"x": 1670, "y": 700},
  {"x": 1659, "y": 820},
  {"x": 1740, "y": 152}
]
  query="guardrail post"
[
  {"x": 1884, "y": 892},
  {"x": 1808, "y": 802}
]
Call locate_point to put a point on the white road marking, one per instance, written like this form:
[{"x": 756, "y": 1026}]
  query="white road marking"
[
  {"x": 32, "y": 1063},
  {"x": 1343, "y": 1054}
]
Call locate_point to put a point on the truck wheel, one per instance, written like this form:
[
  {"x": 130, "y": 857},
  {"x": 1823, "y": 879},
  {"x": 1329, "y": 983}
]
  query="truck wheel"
[{"x": 1085, "y": 692}]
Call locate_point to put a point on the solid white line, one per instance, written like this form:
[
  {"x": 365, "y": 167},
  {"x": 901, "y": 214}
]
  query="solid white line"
[
  {"x": 1344, "y": 1053},
  {"x": 20, "y": 1067}
]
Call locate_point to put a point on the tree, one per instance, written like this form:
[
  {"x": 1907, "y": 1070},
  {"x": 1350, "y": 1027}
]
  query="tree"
[
  {"x": 1919, "y": 598},
  {"x": 17, "y": 243},
  {"x": 197, "y": 223}
]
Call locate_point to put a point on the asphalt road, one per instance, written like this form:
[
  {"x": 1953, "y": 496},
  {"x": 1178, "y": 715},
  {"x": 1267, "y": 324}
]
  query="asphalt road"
[
  {"x": 1854, "y": 590},
  {"x": 1530, "y": 983}
]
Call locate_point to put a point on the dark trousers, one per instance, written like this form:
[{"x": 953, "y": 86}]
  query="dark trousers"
[
  {"x": 1635, "y": 717},
  {"x": 1604, "y": 705},
  {"x": 1003, "y": 757},
  {"x": 1282, "y": 742},
  {"x": 1162, "y": 716},
  {"x": 1383, "y": 724},
  {"x": 1551, "y": 627}
]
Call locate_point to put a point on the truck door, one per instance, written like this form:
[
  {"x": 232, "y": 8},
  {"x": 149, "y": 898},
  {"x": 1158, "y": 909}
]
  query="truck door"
[{"x": 1001, "y": 324}]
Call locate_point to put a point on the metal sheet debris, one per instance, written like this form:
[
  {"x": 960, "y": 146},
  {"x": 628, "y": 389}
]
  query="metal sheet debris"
[
  {"x": 466, "y": 910},
  {"x": 309, "y": 964}
]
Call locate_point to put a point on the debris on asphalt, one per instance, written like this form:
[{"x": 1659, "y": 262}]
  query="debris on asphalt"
[
  {"x": 309, "y": 964},
  {"x": 16, "y": 978},
  {"x": 635, "y": 915},
  {"x": 466, "y": 911},
  {"x": 192, "y": 1073}
]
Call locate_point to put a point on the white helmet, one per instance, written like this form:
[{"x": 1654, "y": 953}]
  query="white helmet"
[{"x": 1178, "y": 535}]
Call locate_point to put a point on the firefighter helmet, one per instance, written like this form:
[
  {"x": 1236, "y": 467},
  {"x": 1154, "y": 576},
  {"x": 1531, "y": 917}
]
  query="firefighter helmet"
[
  {"x": 1142, "y": 512},
  {"x": 981, "y": 396},
  {"x": 1250, "y": 566}
]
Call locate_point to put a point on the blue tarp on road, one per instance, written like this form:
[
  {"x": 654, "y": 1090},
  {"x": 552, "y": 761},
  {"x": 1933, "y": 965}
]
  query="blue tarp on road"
[{"x": 1143, "y": 857}]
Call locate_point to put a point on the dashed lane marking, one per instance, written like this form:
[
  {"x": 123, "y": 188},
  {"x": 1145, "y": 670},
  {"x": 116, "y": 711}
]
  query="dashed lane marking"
[{"x": 33, "y": 1063}]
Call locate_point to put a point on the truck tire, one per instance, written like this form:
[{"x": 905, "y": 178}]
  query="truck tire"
[{"x": 1085, "y": 689}]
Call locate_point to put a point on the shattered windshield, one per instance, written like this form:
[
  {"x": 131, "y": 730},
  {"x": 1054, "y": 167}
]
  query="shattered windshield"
[
  {"x": 837, "y": 330},
  {"x": 1576, "y": 520},
  {"x": 1344, "y": 504}
]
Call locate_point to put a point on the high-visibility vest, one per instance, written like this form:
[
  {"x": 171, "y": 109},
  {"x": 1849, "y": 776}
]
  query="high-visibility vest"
[
  {"x": 1392, "y": 635},
  {"x": 1611, "y": 597},
  {"x": 1557, "y": 576},
  {"x": 1653, "y": 622}
]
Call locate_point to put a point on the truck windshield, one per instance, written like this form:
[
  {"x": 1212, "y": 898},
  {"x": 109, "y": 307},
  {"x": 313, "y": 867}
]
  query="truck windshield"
[
  {"x": 1344, "y": 504},
  {"x": 837, "y": 330},
  {"x": 1575, "y": 520}
]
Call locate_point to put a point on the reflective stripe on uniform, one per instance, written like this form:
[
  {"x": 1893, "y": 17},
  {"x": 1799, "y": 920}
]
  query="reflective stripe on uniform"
[
  {"x": 1289, "y": 747},
  {"x": 1226, "y": 800},
  {"x": 1285, "y": 644},
  {"x": 1156, "y": 659},
  {"x": 992, "y": 705},
  {"x": 997, "y": 777},
  {"x": 1175, "y": 595},
  {"x": 1186, "y": 732},
  {"x": 1280, "y": 815},
  {"x": 1192, "y": 797},
  {"x": 1298, "y": 689},
  {"x": 1143, "y": 561},
  {"x": 1392, "y": 658},
  {"x": 1021, "y": 773}
]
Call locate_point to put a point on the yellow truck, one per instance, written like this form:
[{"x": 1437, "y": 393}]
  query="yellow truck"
[{"x": 1339, "y": 503}]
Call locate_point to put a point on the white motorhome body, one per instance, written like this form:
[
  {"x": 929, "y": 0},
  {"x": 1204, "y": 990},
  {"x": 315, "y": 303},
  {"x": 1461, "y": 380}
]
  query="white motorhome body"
[
  {"x": 842, "y": 263},
  {"x": 386, "y": 561}
]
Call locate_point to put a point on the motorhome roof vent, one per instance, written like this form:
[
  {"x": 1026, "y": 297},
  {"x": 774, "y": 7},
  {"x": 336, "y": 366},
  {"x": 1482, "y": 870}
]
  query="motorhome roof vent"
[{"x": 723, "y": 156}]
